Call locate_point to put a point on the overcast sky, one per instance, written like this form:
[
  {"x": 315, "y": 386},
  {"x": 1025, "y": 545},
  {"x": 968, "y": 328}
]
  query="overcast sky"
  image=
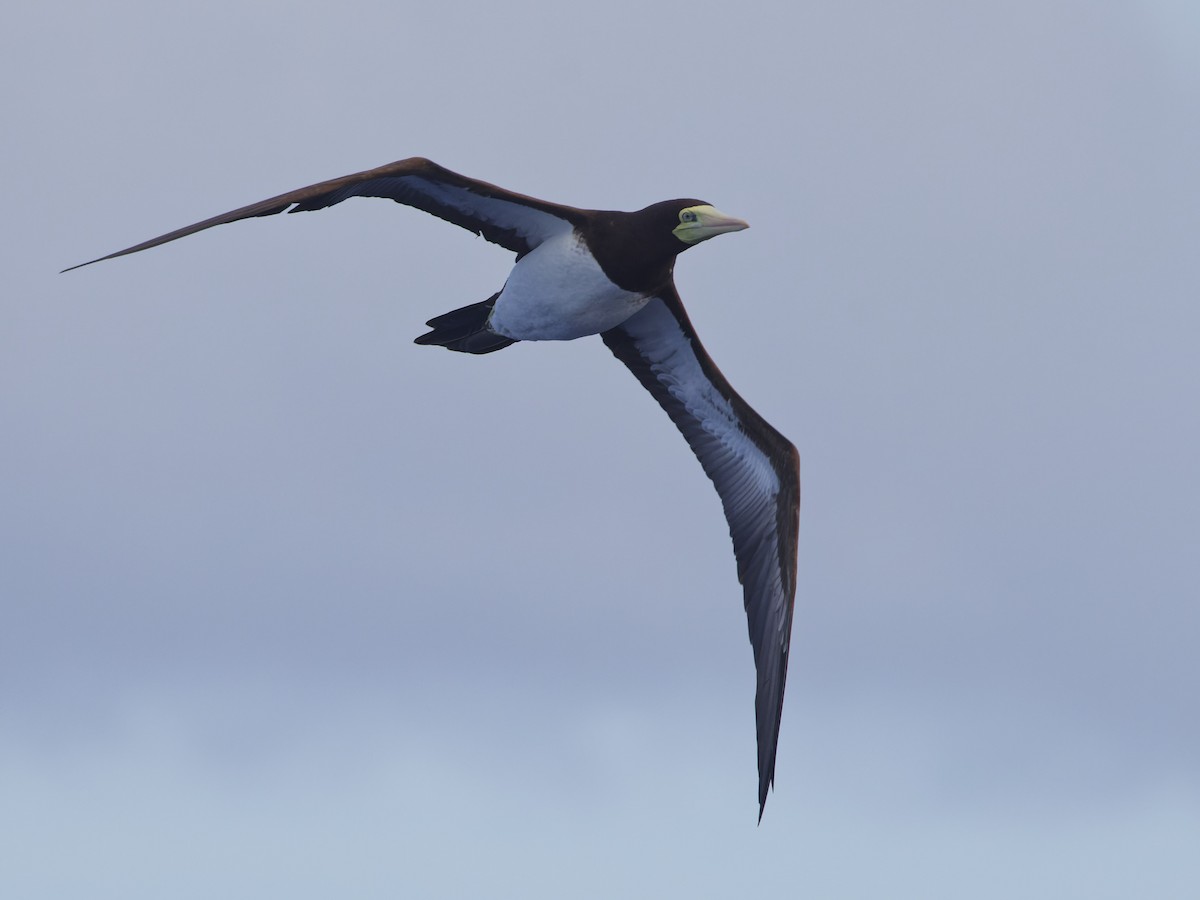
[{"x": 294, "y": 608}]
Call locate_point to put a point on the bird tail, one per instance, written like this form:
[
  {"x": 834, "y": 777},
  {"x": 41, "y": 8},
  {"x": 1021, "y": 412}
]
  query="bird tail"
[{"x": 466, "y": 330}]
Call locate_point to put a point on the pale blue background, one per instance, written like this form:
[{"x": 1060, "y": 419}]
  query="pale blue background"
[{"x": 293, "y": 608}]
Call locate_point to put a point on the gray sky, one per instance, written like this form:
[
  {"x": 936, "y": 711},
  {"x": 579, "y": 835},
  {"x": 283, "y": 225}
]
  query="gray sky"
[{"x": 292, "y": 607}]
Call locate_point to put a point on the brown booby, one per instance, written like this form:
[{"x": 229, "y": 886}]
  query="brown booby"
[{"x": 580, "y": 272}]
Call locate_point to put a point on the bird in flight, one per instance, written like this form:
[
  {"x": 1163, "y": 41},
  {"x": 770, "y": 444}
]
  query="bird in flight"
[{"x": 581, "y": 272}]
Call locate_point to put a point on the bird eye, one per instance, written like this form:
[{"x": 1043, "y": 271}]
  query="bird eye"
[{"x": 687, "y": 216}]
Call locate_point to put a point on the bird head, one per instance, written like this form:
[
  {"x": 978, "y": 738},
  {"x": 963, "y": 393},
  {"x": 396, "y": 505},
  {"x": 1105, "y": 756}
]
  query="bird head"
[{"x": 699, "y": 221}]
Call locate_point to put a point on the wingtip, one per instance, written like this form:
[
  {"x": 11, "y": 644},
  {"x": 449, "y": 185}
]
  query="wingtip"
[
  {"x": 96, "y": 260},
  {"x": 764, "y": 788}
]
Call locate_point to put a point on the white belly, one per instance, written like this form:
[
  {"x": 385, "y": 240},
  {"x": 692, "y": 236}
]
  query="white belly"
[{"x": 557, "y": 292}]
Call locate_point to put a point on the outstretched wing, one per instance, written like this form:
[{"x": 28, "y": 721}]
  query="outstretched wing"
[
  {"x": 756, "y": 471},
  {"x": 513, "y": 221}
]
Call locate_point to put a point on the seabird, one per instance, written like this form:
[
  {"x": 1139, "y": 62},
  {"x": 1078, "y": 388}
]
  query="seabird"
[{"x": 580, "y": 272}]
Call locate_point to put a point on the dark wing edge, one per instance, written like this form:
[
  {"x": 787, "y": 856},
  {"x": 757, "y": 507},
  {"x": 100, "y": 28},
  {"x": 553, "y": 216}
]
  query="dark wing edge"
[
  {"x": 514, "y": 221},
  {"x": 756, "y": 472}
]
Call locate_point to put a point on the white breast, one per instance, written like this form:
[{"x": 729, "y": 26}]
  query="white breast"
[{"x": 557, "y": 292}]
